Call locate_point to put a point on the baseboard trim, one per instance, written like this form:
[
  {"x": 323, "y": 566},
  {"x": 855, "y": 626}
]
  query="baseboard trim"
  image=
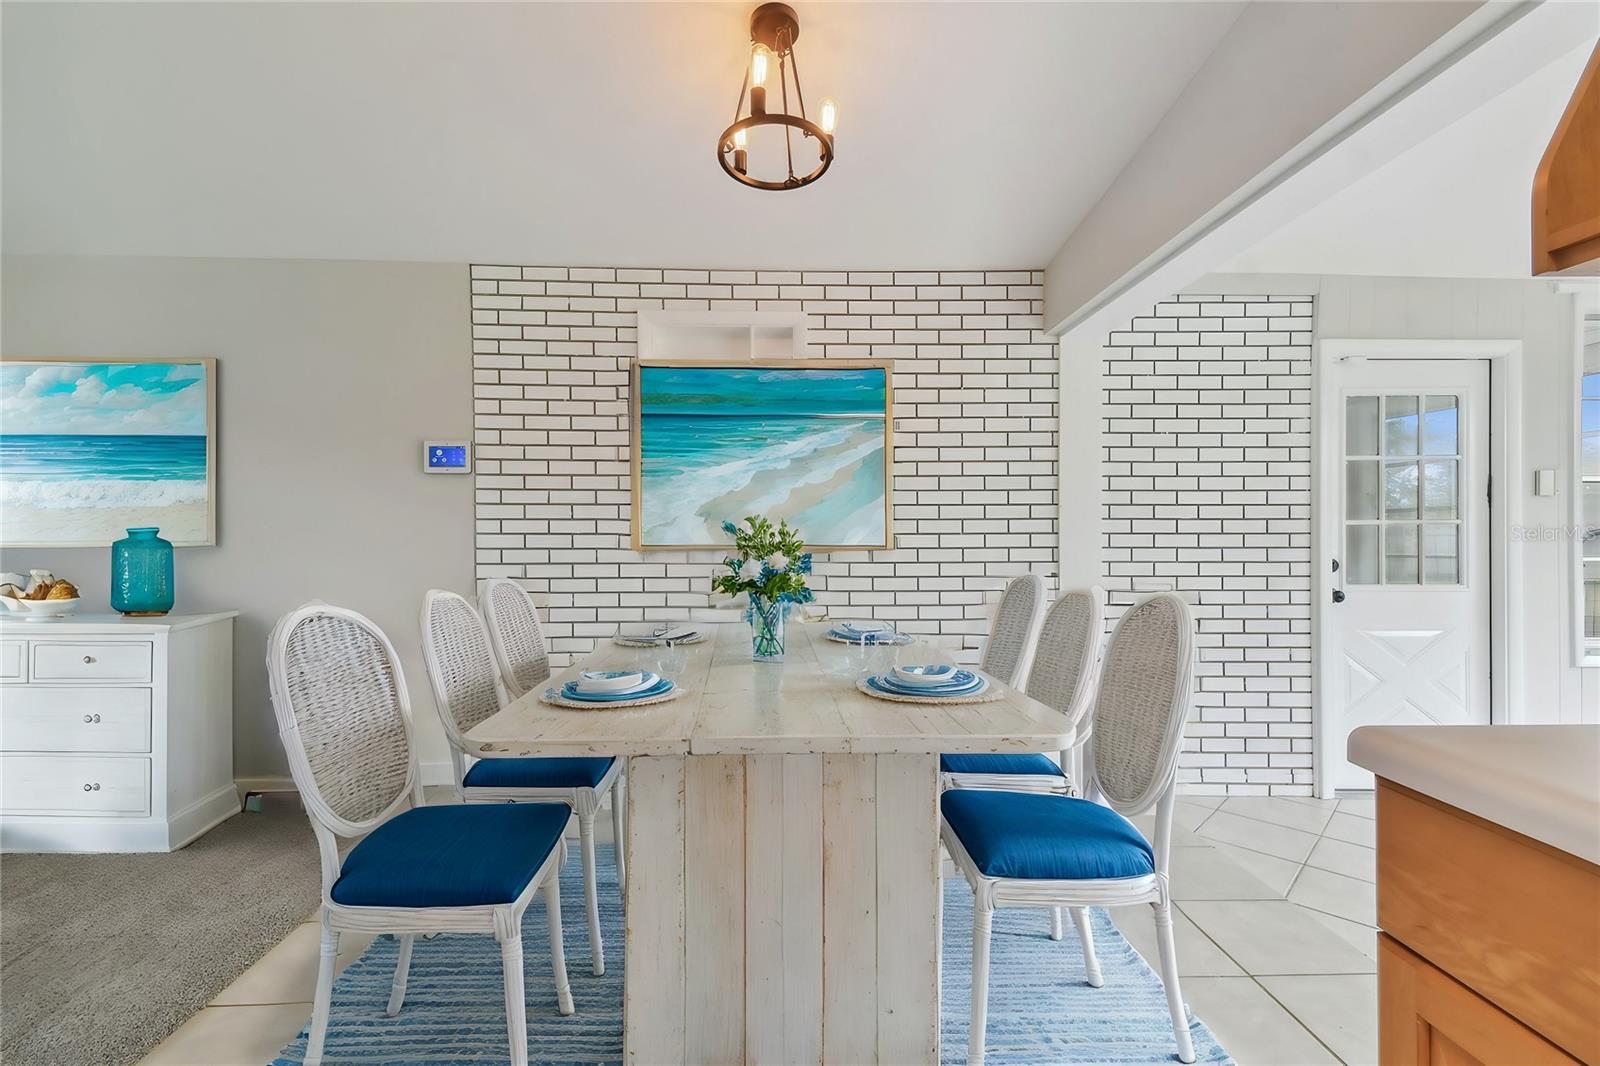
[
  {"x": 271, "y": 783},
  {"x": 433, "y": 773},
  {"x": 202, "y": 816}
]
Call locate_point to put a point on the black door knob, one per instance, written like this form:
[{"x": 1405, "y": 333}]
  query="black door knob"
[{"x": 1338, "y": 595}]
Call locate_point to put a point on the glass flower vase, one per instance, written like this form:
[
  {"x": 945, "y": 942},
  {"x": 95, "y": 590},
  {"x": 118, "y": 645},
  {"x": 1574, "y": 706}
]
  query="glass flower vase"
[
  {"x": 141, "y": 573},
  {"x": 766, "y": 628}
]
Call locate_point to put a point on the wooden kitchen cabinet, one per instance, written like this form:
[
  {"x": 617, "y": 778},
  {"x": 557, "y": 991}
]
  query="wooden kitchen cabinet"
[{"x": 1427, "y": 1018}]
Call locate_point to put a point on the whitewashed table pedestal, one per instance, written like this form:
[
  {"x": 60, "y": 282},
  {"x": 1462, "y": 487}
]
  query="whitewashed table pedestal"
[
  {"x": 785, "y": 909},
  {"x": 783, "y": 900}
]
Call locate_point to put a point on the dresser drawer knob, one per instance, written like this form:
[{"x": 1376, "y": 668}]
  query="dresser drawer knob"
[
  {"x": 91, "y": 718},
  {"x": 88, "y": 659},
  {"x": 92, "y": 788}
]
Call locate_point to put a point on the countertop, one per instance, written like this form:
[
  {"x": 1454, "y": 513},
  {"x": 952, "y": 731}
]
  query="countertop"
[
  {"x": 730, "y": 705},
  {"x": 1542, "y": 781}
]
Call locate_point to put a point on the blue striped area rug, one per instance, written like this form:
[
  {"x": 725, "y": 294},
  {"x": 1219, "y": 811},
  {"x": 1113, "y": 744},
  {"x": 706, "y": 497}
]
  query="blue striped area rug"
[{"x": 1040, "y": 1009}]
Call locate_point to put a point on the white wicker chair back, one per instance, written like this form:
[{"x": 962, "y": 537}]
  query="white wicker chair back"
[
  {"x": 1016, "y": 623},
  {"x": 344, "y": 716},
  {"x": 1143, "y": 700},
  {"x": 1067, "y": 658},
  {"x": 455, "y": 646},
  {"x": 515, "y": 633}
]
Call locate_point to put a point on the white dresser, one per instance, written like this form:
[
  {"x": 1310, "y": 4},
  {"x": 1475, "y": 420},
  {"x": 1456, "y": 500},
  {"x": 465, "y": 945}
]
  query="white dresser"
[{"x": 116, "y": 734}]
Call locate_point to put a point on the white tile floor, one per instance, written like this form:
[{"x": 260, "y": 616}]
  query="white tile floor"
[{"x": 1276, "y": 945}]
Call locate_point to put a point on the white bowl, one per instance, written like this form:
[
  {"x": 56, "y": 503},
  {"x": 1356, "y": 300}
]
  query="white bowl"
[
  {"x": 610, "y": 680},
  {"x": 41, "y": 610},
  {"x": 930, "y": 676}
]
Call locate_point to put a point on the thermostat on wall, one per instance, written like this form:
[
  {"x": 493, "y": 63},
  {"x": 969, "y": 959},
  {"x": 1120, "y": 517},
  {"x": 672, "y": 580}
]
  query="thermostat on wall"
[{"x": 446, "y": 457}]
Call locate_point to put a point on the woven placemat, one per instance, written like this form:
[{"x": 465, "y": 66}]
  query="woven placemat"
[
  {"x": 988, "y": 695},
  {"x": 554, "y": 698},
  {"x": 899, "y": 641},
  {"x": 629, "y": 642}
]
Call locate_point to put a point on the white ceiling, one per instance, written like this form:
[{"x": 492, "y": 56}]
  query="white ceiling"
[
  {"x": 970, "y": 134},
  {"x": 1455, "y": 205}
]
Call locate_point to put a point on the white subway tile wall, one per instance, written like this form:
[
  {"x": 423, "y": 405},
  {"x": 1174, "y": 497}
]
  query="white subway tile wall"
[
  {"x": 975, "y": 391},
  {"x": 1208, "y": 492}
]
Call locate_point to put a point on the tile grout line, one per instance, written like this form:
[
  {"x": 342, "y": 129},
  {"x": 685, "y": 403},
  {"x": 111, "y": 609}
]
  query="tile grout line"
[{"x": 1256, "y": 980}]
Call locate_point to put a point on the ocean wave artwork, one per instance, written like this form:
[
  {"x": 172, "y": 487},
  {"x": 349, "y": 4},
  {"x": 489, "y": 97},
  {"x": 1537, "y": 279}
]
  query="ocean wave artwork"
[
  {"x": 802, "y": 443},
  {"x": 89, "y": 449}
]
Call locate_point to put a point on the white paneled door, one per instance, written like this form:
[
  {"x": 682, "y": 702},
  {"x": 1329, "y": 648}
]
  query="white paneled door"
[{"x": 1405, "y": 530}]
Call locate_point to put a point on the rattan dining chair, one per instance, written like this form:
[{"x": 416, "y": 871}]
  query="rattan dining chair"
[
  {"x": 466, "y": 689},
  {"x": 523, "y": 659},
  {"x": 515, "y": 633},
  {"x": 1009, "y": 649},
  {"x": 1028, "y": 849},
  {"x": 345, "y": 719},
  {"x": 1066, "y": 662}
]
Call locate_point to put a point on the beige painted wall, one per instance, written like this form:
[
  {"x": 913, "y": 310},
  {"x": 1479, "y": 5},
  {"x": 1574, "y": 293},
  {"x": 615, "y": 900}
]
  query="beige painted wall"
[{"x": 331, "y": 373}]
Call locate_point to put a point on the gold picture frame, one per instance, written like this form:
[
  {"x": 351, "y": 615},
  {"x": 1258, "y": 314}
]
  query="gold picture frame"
[{"x": 636, "y": 442}]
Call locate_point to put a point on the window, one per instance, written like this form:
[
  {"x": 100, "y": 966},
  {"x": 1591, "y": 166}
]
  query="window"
[
  {"x": 1589, "y": 472},
  {"x": 1402, "y": 471}
]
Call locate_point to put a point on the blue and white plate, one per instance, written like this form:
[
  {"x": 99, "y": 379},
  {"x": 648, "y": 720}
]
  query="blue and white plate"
[
  {"x": 885, "y": 636},
  {"x": 967, "y": 683},
  {"x": 570, "y": 691}
]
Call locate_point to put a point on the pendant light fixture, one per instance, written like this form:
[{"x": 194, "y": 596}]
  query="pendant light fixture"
[{"x": 764, "y": 100}]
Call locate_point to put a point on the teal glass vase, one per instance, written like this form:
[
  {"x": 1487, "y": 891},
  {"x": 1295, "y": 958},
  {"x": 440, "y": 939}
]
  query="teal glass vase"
[
  {"x": 766, "y": 628},
  {"x": 141, "y": 573}
]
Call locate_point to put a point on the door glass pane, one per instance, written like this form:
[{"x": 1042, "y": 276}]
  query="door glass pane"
[
  {"x": 1591, "y": 600},
  {"x": 1399, "y": 425},
  {"x": 1361, "y": 489},
  {"x": 1361, "y": 555},
  {"x": 1590, "y": 438},
  {"x": 1440, "y": 549},
  {"x": 1439, "y": 488},
  {"x": 1361, "y": 425},
  {"x": 1400, "y": 554},
  {"x": 1400, "y": 490},
  {"x": 1439, "y": 431},
  {"x": 1591, "y": 520}
]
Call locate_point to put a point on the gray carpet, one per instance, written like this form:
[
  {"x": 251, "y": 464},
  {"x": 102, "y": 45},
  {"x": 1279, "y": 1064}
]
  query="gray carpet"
[{"x": 101, "y": 956}]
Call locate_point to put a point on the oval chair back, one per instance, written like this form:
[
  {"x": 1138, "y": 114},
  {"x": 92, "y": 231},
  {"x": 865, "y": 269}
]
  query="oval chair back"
[
  {"x": 1066, "y": 660},
  {"x": 345, "y": 721},
  {"x": 461, "y": 668},
  {"x": 1145, "y": 682},
  {"x": 1016, "y": 624},
  {"x": 515, "y": 634}
]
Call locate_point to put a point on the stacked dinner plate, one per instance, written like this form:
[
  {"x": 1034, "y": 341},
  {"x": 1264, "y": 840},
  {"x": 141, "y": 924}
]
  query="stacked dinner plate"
[
  {"x": 867, "y": 633},
  {"x": 927, "y": 683},
  {"x": 612, "y": 687}
]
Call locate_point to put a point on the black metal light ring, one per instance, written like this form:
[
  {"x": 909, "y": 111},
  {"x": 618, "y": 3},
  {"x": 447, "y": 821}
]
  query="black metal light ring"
[{"x": 725, "y": 144}]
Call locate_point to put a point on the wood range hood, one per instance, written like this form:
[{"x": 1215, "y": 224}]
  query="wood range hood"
[{"x": 1566, "y": 187}]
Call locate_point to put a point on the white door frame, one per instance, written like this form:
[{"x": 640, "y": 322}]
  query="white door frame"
[{"x": 1505, "y": 511}]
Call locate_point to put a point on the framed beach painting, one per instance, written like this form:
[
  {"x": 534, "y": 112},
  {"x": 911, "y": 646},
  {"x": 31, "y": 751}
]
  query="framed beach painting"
[
  {"x": 808, "y": 440},
  {"x": 91, "y": 447}
]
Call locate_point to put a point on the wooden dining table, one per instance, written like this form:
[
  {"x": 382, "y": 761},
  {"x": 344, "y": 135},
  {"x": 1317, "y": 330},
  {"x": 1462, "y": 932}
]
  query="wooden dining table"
[{"x": 783, "y": 863}]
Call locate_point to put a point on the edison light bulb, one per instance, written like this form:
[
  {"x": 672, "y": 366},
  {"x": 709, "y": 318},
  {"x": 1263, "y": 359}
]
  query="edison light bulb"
[
  {"x": 830, "y": 116},
  {"x": 758, "y": 66},
  {"x": 738, "y": 139}
]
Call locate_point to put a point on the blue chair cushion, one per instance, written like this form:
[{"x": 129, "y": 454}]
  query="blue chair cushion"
[
  {"x": 537, "y": 773},
  {"x": 1034, "y": 764},
  {"x": 1039, "y": 836},
  {"x": 455, "y": 855}
]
